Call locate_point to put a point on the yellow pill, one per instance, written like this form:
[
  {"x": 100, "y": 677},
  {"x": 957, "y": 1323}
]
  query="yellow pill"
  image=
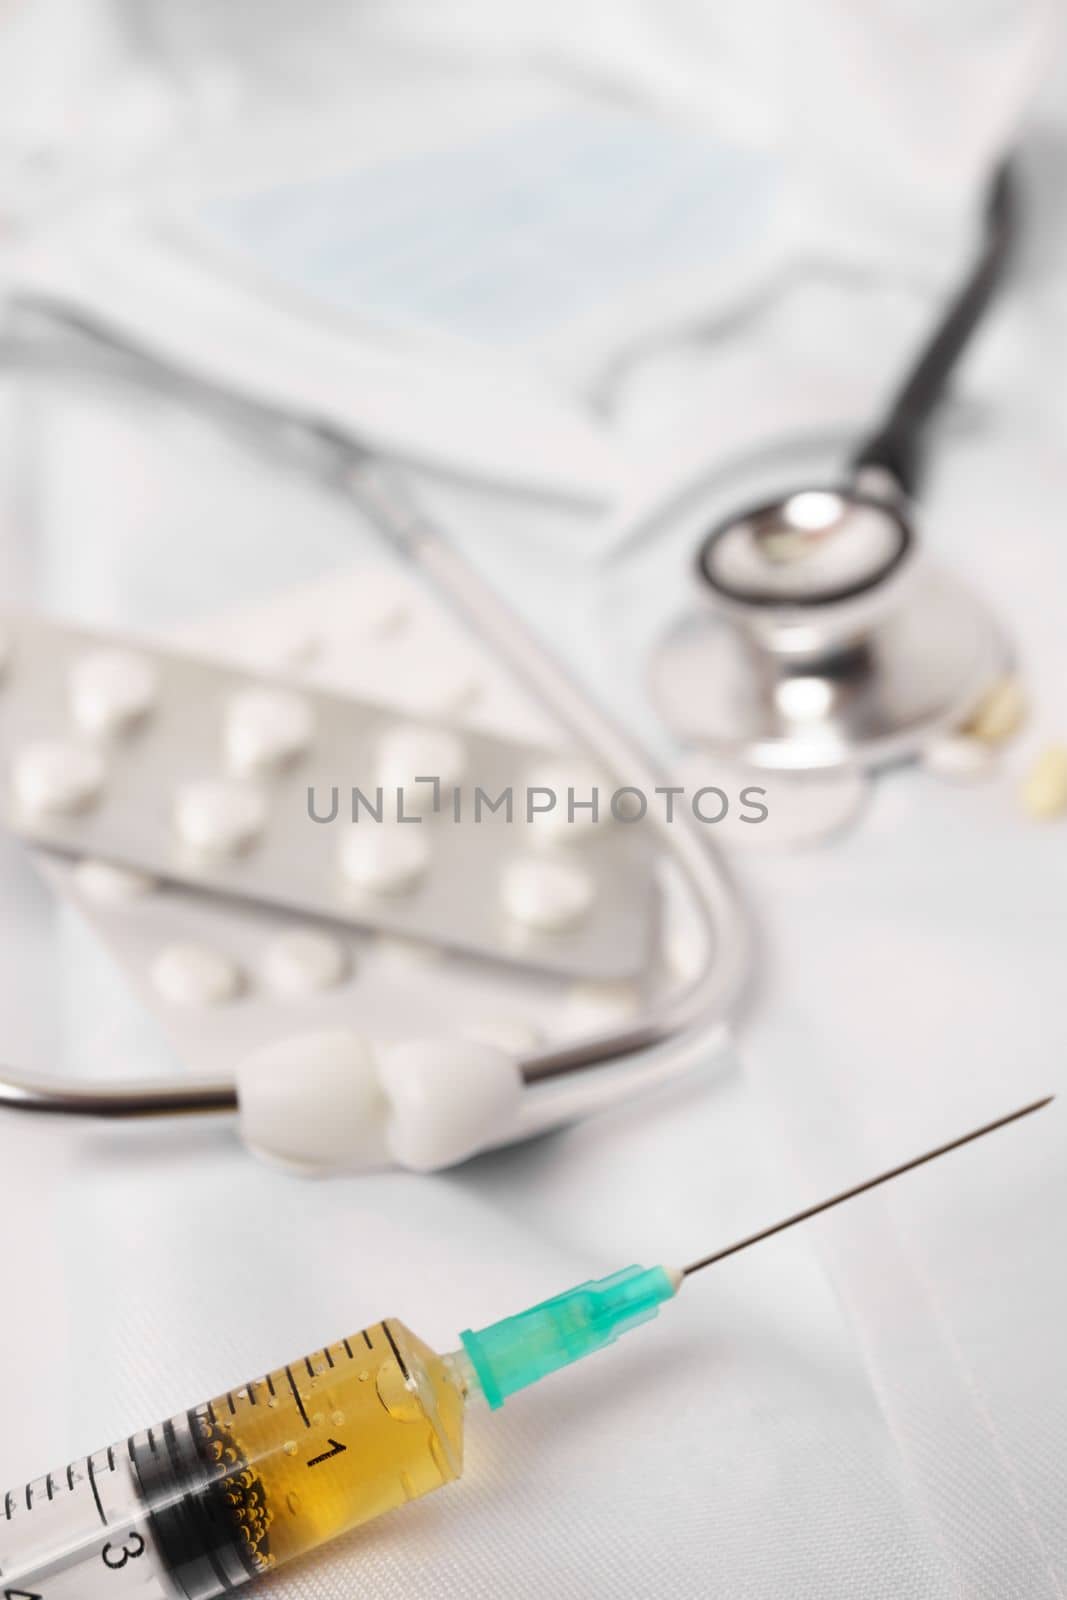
[
  {"x": 1044, "y": 792},
  {"x": 999, "y": 714}
]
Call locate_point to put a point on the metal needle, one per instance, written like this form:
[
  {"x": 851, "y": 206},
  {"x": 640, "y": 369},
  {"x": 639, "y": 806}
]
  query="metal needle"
[{"x": 861, "y": 1188}]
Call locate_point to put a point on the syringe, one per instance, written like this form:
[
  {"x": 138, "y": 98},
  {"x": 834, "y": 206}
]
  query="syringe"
[{"x": 218, "y": 1495}]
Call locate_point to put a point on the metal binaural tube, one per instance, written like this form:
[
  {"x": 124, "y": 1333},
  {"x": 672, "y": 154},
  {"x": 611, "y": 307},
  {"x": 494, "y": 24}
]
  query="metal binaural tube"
[
  {"x": 68, "y": 1097},
  {"x": 701, "y": 1002}
]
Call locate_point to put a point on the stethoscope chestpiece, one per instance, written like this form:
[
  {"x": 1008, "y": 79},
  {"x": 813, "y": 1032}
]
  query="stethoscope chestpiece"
[
  {"x": 814, "y": 548},
  {"x": 822, "y": 637}
]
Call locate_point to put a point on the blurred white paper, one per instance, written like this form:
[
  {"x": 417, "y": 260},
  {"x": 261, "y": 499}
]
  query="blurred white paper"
[
  {"x": 446, "y": 281},
  {"x": 447, "y": 228}
]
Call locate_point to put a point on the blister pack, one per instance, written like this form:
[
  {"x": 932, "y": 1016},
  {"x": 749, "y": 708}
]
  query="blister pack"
[
  {"x": 223, "y": 780},
  {"x": 225, "y": 977}
]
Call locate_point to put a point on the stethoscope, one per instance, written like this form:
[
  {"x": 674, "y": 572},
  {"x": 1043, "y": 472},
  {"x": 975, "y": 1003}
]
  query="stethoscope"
[
  {"x": 823, "y": 637},
  {"x": 805, "y": 657}
]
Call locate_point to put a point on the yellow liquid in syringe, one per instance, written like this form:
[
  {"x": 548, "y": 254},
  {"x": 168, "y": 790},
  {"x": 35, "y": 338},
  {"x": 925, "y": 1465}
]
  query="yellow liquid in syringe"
[
  {"x": 317, "y": 1448},
  {"x": 196, "y": 1506}
]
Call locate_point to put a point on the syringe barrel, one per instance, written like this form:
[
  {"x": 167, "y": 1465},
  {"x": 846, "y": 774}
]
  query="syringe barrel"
[{"x": 197, "y": 1506}]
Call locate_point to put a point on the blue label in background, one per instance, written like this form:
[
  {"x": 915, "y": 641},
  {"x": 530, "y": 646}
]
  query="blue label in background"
[{"x": 487, "y": 241}]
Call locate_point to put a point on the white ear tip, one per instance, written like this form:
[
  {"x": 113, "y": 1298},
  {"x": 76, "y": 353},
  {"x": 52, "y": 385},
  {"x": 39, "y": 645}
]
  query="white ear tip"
[
  {"x": 449, "y": 1098},
  {"x": 323, "y": 1101},
  {"x": 313, "y": 1101}
]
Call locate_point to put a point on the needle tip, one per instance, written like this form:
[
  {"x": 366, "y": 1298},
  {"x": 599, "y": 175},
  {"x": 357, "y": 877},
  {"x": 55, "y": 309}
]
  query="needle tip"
[{"x": 861, "y": 1188}]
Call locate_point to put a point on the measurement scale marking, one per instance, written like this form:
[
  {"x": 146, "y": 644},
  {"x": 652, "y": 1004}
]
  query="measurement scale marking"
[
  {"x": 96, "y": 1491},
  {"x": 396, "y": 1352},
  {"x": 297, "y": 1397}
]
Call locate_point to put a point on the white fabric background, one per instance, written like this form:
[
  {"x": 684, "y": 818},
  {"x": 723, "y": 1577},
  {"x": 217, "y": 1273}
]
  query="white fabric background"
[{"x": 870, "y": 1410}]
